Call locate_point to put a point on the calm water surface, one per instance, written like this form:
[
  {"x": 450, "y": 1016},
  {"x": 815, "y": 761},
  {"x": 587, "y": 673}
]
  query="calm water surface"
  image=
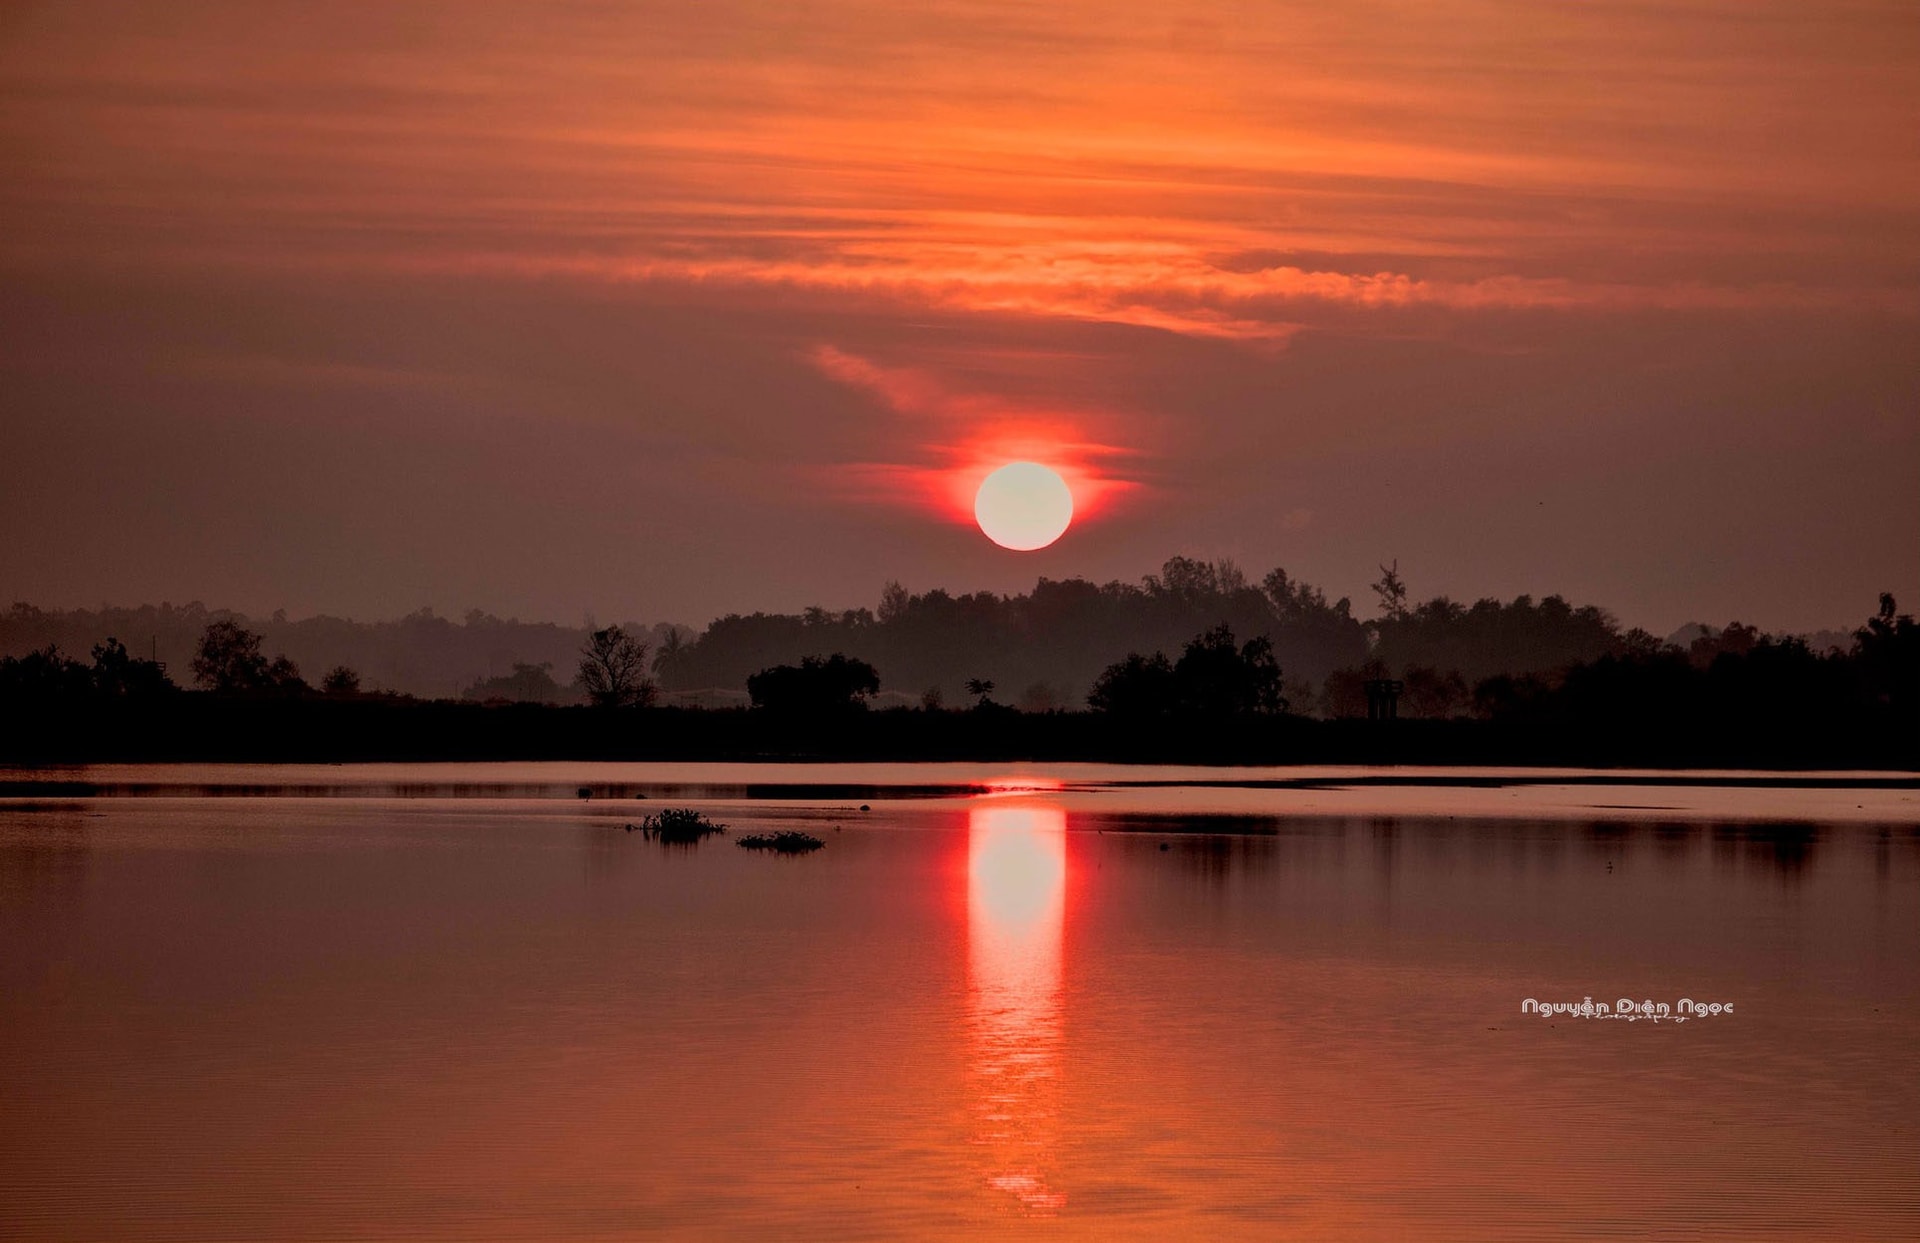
[{"x": 461, "y": 1002}]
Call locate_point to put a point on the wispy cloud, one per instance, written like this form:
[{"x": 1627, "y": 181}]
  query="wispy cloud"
[{"x": 1096, "y": 162}]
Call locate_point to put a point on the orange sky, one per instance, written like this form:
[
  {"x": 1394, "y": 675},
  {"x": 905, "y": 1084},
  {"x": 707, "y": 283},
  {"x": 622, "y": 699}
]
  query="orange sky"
[{"x": 1613, "y": 299}]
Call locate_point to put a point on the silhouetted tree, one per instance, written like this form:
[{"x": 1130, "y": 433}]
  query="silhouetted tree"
[
  {"x": 1213, "y": 677},
  {"x": 340, "y": 681},
  {"x": 1136, "y": 686},
  {"x": 1733, "y": 689},
  {"x": 1637, "y": 644},
  {"x": 1392, "y": 590},
  {"x": 672, "y": 645},
  {"x": 526, "y": 684},
  {"x": 1063, "y": 632},
  {"x": 1489, "y": 637},
  {"x": 116, "y": 673},
  {"x": 228, "y": 660},
  {"x": 1345, "y": 692},
  {"x": 982, "y": 688},
  {"x": 613, "y": 669},
  {"x": 837, "y": 683},
  {"x": 47, "y": 676},
  {"x": 1294, "y": 600},
  {"x": 1434, "y": 695},
  {"x": 42, "y": 677},
  {"x": 422, "y": 653},
  {"x": 283, "y": 677},
  {"x": 1188, "y": 578},
  {"x": 1735, "y": 640},
  {"x": 1886, "y": 653},
  {"x": 1507, "y": 697}
]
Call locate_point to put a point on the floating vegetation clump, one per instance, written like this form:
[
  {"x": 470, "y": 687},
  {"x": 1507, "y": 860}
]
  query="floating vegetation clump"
[
  {"x": 679, "y": 826},
  {"x": 786, "y": 842}
]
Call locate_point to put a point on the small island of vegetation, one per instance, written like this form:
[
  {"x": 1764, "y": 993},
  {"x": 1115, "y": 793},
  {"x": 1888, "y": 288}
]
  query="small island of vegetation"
[
  {"x": 785, "y": 842},
  {"x": 677, "y": 826}
]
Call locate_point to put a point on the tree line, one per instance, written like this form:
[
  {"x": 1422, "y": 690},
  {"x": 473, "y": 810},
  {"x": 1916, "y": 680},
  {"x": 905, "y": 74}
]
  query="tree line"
[
  {"x": 1048, "y": 648},
  {"x": 1198, "y": 638},
  {"x": 476, "y": 656},
  {"x": 1733, "y": 696}
]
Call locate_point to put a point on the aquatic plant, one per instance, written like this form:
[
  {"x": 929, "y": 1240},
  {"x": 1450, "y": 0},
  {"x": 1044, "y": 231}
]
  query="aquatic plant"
[
  {"x": 679, "y": 826},
  {"x": 786, "y": 842}
]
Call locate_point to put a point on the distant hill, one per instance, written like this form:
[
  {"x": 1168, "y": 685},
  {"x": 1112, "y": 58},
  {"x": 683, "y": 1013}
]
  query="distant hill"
[
  {"x": 1818, "y": 640},
  {"x": 420, "y": 654}
]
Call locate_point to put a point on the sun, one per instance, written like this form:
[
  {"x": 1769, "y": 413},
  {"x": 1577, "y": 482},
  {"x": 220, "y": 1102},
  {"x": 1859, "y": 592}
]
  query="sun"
[{"x": 1023, "y": 506}]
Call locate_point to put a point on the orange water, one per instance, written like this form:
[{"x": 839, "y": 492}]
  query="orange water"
[{"x": 1044, "y": 1013}]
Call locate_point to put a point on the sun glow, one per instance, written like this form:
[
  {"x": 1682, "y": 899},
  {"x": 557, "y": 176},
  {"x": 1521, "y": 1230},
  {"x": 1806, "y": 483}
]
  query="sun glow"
[
  {"x": 1016, "y": 905},
  {"x": 1017, "y": 865},
  {"x": 1023, "y": 506}
]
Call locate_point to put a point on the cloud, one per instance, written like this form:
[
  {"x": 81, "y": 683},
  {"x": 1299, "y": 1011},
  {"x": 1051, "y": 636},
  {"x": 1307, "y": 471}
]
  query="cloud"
[
  {"x": 1404, "y": 265},
  {"x": 1104, "y": 163},
  {"x": 962, "y": 436}
]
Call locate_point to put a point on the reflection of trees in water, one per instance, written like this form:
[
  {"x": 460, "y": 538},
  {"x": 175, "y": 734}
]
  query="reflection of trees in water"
[
  {"x": 1394, "y": 847},
  {"x": 1675, "y": 841},
  {"x": 1887, "y": 840},
  {"x": 1542, "y": 845},
  {"x": 1213, "y": 857},
  {"x": 1608, "y": 837},
  {"x": 1211, "y": 847},
  {"x": 1786, "y": 849},
  {"x": 607, "y": 850},
  {"x": 45, "y": 853},
  {"x": 1386, "y": 848},
  {"x": 1608, "y": 842}
]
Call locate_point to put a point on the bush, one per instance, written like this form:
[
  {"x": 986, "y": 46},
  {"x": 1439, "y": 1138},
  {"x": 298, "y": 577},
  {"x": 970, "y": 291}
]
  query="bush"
[
  {"x": 814, "y": 686},
  {"x": 1214, "y": 677},
  {"x": 678, "y": 826}
]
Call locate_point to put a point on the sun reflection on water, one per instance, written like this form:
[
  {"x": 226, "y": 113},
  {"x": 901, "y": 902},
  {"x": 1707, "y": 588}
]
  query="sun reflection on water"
[{"x": 1016, "y": 905}]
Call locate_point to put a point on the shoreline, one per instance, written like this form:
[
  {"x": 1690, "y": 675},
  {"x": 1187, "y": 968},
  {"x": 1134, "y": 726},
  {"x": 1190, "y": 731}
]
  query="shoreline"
[
  {"x": 1191, "y": 799},
  {"x": 207, "y": 729}
]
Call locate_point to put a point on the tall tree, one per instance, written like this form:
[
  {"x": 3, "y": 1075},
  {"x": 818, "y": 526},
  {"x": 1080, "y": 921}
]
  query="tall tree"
[
  {"x": 1392, "y": 590},
  {"x": 115, "y": 672},
  {"x": 228, "y": 662},
  {"x": 613, "y": 668},
  {"x": 228, "y": 659}
]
